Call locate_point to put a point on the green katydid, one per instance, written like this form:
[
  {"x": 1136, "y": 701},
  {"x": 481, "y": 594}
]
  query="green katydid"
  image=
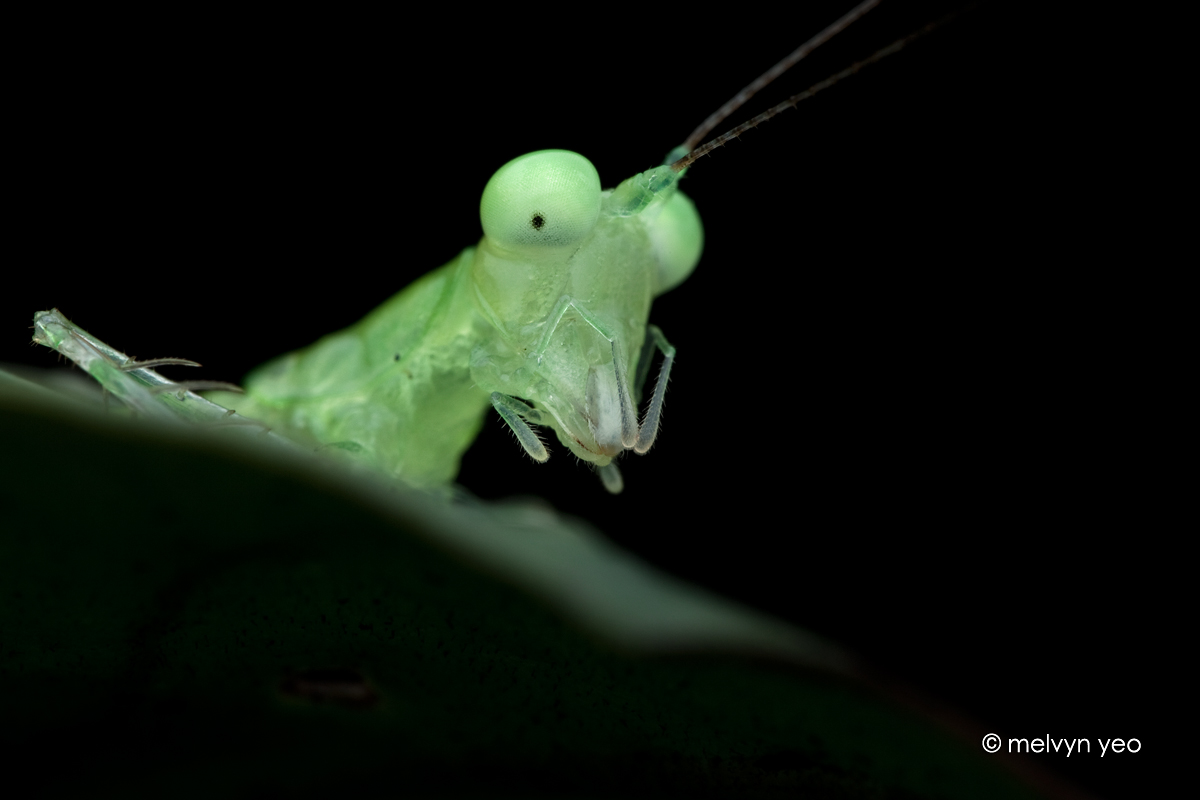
[
  {"x": 546, "y": 321},
  {"x": 551, "y": 307},
  {"x": 546, "y": 330}
]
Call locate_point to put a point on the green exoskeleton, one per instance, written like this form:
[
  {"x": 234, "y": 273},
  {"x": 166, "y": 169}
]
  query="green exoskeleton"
[{"x": 546, "y": 320}]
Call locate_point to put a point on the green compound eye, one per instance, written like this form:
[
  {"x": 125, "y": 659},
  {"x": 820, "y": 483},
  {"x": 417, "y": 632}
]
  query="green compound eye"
[{"x": 550, "y": 198}]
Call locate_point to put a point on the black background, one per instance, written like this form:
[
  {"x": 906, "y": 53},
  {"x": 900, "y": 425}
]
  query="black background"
[{"x": 896, "y": 415}]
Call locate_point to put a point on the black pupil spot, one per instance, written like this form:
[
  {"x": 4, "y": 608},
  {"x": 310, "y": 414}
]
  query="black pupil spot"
[{"x": 538, "y": 222}]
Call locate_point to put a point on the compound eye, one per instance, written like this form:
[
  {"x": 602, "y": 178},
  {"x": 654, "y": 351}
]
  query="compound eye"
[{"x": 550, "y": 198}]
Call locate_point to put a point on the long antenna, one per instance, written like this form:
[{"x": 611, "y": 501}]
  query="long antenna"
[
  {"x": 706, "y": 148},
  {"x": 736, "y": 102}
]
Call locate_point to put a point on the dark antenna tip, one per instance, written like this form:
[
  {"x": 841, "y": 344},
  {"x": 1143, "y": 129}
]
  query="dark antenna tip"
[
  {"x": 691, "y": 150},
  {"x": 759, "y": 83}
]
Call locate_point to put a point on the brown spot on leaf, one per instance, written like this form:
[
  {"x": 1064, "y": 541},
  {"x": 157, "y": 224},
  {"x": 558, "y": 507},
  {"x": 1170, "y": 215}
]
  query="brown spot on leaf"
[{"x": 337, "y": 686}]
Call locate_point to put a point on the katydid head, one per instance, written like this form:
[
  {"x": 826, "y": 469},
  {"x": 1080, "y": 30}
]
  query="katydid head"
[
  {"x": 565, "y": 274},
  {"x": 564, "y": 277}
]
